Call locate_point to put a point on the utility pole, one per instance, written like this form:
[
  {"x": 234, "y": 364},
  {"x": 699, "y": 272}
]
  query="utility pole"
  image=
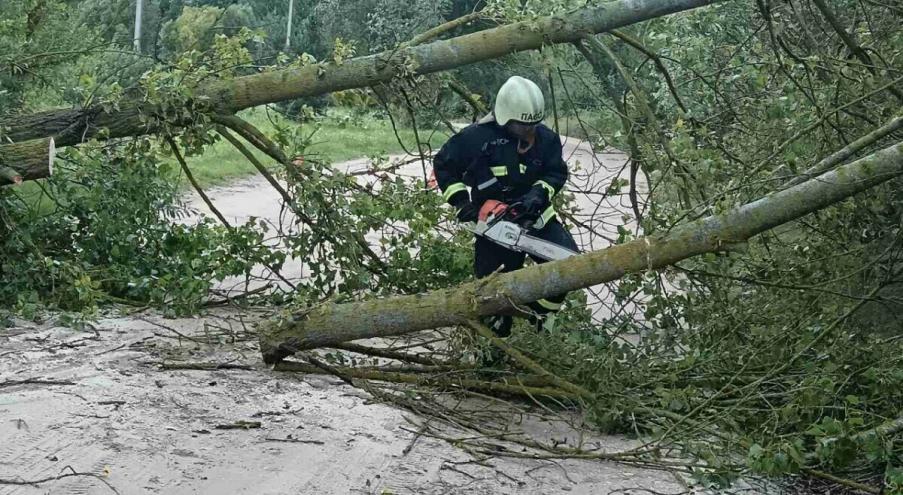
[
  {"x": 139, "y": 9},
  {"x": 288, "y": 29}
]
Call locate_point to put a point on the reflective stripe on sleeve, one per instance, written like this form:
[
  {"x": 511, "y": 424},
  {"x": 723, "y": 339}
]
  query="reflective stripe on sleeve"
[
  {"x": 548, "y": 187},
  {"x": 488, "y": 183},
  {"x": 544, "y": 219},
  {"x": 452, "y": 189},
  {"x": 500, "y": 171}
]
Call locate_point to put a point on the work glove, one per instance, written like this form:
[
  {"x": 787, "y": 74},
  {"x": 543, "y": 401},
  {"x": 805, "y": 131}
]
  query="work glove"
[
  {"x": 467, "y": 211},
  {"x": 534, "y": 202}
]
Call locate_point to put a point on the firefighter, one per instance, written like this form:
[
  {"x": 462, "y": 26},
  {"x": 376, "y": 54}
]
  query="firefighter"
[{"x": 511, "y": 157}]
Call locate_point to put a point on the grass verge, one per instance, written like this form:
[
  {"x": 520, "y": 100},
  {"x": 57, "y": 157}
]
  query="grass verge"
[{"x": 337, "y": 137}]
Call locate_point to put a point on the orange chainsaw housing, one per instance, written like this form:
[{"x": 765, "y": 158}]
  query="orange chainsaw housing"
[{"x": 491, "y": 208}]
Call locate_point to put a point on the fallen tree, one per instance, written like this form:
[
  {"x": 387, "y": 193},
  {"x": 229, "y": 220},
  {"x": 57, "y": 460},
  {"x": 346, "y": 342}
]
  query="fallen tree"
[
  {"x": 73, "y": 126},
  {"x": 334, "y": 323}
]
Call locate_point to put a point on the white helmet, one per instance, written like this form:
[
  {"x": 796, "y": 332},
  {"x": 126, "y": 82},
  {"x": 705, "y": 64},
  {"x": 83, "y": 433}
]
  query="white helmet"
[{"x": 521, "y": 100}]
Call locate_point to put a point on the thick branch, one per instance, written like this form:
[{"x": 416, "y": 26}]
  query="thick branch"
[
  {"x": 253, "y": 136},
  {"x": 331, "y": 324}
]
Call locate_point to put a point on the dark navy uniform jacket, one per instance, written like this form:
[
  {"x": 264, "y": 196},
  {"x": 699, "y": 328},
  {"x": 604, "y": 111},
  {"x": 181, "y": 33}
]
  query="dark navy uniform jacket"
[{"x": 484, "y": 157}]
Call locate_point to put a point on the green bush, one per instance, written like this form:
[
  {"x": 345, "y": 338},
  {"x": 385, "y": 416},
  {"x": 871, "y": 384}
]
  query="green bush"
[{"x": 111, "y": 237}]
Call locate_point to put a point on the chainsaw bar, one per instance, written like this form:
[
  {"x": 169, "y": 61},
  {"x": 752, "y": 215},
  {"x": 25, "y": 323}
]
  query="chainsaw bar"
[{"x": 514, "y": 237}]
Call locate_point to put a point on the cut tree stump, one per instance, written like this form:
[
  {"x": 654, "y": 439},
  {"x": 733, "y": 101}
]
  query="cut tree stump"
[{"x": 29, "y": 160}]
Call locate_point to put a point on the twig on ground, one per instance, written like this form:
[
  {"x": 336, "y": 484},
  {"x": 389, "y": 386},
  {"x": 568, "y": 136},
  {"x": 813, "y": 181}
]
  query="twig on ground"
[
  {"x": 417, "y": 435},
  {"x": 34, "y": 381},
  {"x": 204, "y": 366},
  {"x": 239, "y": 425},
  {"x": 451, "y": 467},
  {"x": 71, "y": 474},
  {"x": 289, "y": 439},
  {"x": 171, "y": 329}
]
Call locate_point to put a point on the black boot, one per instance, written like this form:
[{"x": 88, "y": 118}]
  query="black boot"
[{"x": 499, "y": 324}]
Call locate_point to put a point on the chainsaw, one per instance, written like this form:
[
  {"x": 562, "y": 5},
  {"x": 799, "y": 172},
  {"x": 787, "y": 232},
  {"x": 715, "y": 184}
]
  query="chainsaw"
[{"x": 507, "y": 226}]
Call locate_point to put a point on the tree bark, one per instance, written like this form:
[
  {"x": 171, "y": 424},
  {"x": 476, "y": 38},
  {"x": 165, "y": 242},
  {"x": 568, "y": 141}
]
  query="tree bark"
[
  {"x": 26, "y": 161},
  {"x": 72, "y": 126},
  {"x": 334, "y": 323}
]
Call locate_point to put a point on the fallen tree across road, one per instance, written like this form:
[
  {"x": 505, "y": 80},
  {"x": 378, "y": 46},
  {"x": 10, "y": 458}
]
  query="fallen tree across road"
[
  {"x": 335, "y": 323},
  {"x": 225, "y": 97}
]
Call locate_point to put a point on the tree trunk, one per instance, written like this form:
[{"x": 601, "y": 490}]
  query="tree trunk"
[
  {"x": 26, "y": 161},
  {"x": 335, "y": 323},
  {"x": 71, "y": 127}
]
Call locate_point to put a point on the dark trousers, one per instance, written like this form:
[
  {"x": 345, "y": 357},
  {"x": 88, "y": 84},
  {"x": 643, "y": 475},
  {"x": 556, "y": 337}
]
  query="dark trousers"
[{"x": 489, "y": 256}]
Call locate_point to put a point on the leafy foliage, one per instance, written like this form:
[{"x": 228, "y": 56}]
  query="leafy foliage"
[
  {"x": 197, "y": 27},
  {"x": 110, "y": 237},
  {"x": 781, "y": 350},
  {"x": 36, "y": 37}
]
